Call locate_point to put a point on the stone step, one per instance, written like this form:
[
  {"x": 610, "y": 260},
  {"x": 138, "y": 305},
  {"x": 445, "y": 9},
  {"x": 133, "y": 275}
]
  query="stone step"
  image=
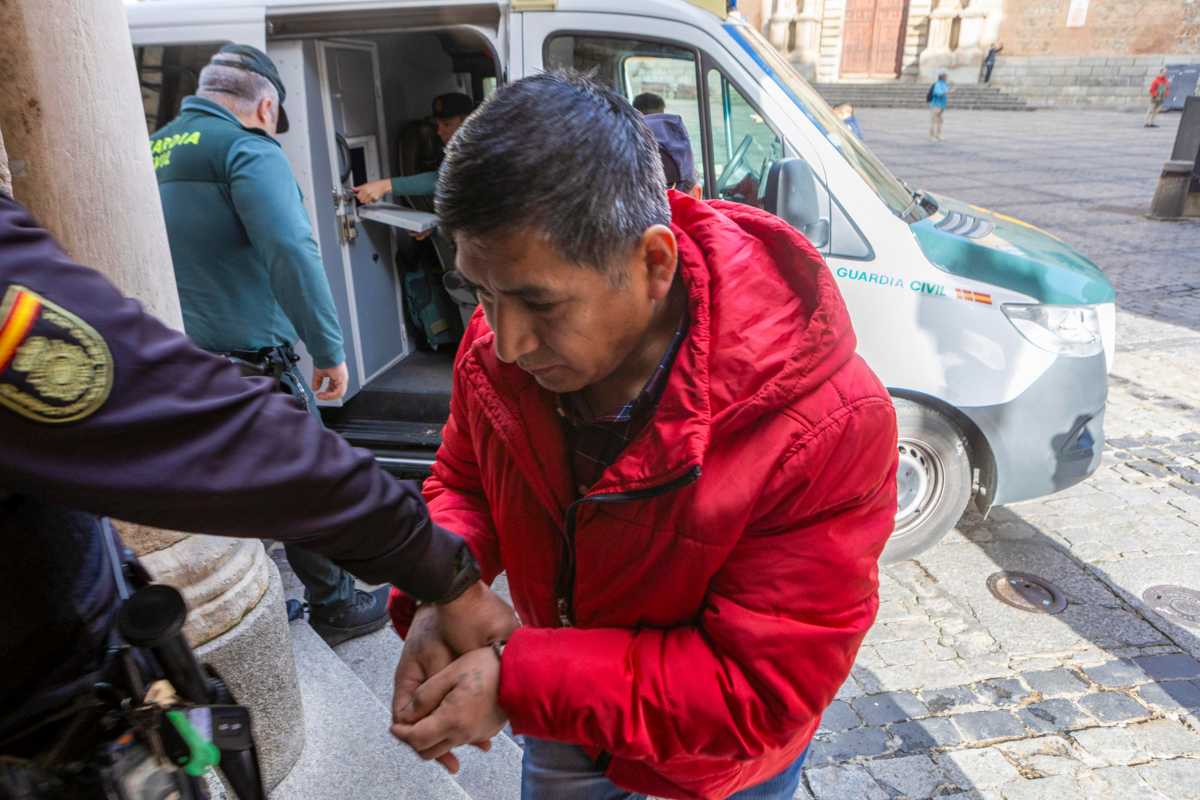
[
  {"x": 905, "y": 94},
  {"x": 495, "y": 775},
  {"x": 372, "y": 660},
  {"x": 348, "y": 751}
]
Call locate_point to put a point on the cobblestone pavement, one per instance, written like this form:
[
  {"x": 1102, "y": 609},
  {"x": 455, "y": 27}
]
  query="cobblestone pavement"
[{"x": 957, "y": 695}]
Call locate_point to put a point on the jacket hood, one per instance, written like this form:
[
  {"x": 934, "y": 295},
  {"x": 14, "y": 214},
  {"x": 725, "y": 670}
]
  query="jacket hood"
[{"x": 767, "y": 325}]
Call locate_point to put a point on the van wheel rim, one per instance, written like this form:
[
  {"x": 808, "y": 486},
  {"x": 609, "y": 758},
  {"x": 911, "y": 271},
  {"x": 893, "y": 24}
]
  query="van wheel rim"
[{"x": 920, "y": 481}]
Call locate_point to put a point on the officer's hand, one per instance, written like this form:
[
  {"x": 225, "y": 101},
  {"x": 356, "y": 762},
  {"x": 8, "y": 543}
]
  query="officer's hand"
[
  {"x": 339, "y": 378},
  {"x": 370, "y": 192},
  {"x": 459, "y": 705}
]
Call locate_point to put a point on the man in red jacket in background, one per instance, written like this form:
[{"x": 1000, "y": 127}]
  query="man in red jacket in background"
[
  {"x": 660, "y": 429},
  {"x": 1159, "y": 88}
]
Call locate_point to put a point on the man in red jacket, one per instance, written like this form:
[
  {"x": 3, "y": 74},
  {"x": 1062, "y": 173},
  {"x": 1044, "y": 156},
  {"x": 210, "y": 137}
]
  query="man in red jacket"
[
  {"x": 660, "y": 430},
  {"x": 1159, "y": 88}
]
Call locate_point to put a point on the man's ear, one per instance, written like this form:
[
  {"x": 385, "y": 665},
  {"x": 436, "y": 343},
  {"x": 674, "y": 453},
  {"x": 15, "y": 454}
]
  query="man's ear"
[
  {"x": 660, "y": 253},
  {"x": 265, "y": 112}
]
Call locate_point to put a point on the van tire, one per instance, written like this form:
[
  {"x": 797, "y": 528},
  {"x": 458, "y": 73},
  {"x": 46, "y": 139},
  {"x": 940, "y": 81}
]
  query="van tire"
[{"x": 933, "y": 482}]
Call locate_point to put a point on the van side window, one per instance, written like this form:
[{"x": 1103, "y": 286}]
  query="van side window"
[
  {"x": 633, "y": 67},
  {"x": 167, "y": 75},
  {"x": 743, "y": 144}
]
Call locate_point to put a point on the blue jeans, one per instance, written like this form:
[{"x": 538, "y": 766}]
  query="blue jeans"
[
  {"x": 325, "y": 583},
  {"x": 556, "y": 771}
]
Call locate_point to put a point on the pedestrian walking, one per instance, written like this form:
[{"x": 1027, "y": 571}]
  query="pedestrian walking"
[
  {"x": 250, "y": 276},
  {"x": 689, "y": 495},
  {"x": 937, "y": 97},
  {"x": 105, "y": 410},
  {"x": 989, "y": 61},
  {"x": 1159, "y": 87}
]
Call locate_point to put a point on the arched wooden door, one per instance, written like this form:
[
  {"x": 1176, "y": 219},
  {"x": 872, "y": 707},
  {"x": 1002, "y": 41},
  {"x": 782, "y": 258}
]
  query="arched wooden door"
[{"x": 873, "y": 38}]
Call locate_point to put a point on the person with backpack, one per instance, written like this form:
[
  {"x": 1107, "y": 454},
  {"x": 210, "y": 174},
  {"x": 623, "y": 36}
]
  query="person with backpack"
[
  {"x": 1159, "y": 87},
  {"x": 936, "y": 97}
]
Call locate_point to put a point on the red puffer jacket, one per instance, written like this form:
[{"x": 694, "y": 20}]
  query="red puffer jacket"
[{"x": 722, "y": 573}]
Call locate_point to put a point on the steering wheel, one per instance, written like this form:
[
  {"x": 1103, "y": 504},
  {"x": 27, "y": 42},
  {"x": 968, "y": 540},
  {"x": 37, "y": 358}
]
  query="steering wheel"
[
  {"x": 343, "y": 148},
  {"x": 731, "y": 169}
]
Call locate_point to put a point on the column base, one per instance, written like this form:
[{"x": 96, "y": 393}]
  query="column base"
[{"x": 255, "y": 659}]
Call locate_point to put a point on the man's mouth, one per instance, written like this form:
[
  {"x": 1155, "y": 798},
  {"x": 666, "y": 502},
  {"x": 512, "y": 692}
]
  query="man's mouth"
[{"x": 538, "y": 370}]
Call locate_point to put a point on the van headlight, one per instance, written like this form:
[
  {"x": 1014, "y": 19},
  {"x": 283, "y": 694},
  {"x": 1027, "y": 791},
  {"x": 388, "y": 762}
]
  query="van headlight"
[{"x": 1063, "y": 330}]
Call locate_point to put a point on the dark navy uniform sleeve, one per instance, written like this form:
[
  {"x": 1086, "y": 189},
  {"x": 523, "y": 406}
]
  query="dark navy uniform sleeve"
[{"x": 105, "y": 409}]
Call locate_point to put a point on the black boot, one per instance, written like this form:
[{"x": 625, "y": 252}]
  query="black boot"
[{"x": 365, "y": 612}]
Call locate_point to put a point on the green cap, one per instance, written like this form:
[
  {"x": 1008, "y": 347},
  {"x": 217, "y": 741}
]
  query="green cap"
[{"x": 258, "y": 62}]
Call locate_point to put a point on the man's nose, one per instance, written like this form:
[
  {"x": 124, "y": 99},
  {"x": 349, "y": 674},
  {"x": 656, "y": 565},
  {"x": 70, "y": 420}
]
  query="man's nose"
[{"x": 514, "y": 334}]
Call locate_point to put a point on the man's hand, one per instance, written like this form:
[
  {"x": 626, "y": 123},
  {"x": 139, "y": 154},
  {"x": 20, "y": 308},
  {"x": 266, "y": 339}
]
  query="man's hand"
[
  {"x": 339, "y": 378},
  {"x": 370, "y": 192},
  {"x": 457, "y": 706},
  {"x": 475, "y": 618},
  {"x": 440, "y": 633}
]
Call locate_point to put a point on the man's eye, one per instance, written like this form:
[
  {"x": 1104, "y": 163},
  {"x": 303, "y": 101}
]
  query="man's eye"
[{"x": 540, "y": 308}]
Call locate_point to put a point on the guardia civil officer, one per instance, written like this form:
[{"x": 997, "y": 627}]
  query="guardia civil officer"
[
  {"x": 250, "y": 277},
  {"x": 104, "y": 410}
]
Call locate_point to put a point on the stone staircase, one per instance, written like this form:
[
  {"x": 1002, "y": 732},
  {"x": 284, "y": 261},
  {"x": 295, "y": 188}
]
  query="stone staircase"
[
  {"x": 906, "y": 94},
  {"x": 348, "y": 751}
]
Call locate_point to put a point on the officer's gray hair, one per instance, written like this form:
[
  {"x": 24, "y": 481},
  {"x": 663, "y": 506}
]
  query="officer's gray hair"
[{"x": 239, "y": 90}]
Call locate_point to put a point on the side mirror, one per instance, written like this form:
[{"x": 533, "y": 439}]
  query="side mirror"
[{"x": 791, "y": 195}]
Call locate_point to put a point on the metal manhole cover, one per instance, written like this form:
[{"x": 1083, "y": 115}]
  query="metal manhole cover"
[
  {"x": 1027, "y": 592},
  {"x": 1176, "y": 603}
]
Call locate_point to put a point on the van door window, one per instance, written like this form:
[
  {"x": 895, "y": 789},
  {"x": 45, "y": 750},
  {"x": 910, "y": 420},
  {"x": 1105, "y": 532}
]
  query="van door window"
[
  {"x": 632, "y": 67},
  {"x": 167, "y": 75},
  {"x": 743, "y": 145}
]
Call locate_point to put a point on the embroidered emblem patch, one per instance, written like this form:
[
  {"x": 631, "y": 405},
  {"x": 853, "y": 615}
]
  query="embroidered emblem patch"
[{"x": 54, "y": 367}]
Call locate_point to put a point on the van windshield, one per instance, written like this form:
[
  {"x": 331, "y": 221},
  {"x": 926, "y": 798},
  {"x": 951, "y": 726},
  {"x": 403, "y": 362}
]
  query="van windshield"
[{"x": 890, "y": 189}]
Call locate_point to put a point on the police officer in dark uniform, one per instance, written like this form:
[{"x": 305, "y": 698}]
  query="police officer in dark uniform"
[{"x": 104, "y": 410}]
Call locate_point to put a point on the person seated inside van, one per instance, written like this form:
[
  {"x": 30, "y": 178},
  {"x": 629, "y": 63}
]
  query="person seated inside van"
[
  {"x": 675, "y": 148},
  {"x": 650, "y": 103},
  {"x": 449, "y": 112}
]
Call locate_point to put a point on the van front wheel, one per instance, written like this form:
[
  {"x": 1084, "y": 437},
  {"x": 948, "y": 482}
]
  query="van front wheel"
[{"x": 933, "y": 482}]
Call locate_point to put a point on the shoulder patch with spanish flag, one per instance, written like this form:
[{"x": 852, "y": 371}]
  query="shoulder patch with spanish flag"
[{"x": 54, "y": 367}]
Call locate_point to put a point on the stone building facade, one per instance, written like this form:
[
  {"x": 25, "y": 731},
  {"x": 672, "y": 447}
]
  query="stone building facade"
[{"x": 1085, "y": 52}]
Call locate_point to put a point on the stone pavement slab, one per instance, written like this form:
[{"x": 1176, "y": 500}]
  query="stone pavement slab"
[{"x": 1102, "y": 701}]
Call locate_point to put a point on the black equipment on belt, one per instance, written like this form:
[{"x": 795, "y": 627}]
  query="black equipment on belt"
[
  {"x": 148, "y": 724},
  {"x": 277, "y": 362}
]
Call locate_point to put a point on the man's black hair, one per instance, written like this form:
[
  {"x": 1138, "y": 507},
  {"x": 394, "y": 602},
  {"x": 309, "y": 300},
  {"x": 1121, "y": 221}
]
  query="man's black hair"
[
  {"x": 561, "y": 155},
  {"x": 650, "y": 103}
]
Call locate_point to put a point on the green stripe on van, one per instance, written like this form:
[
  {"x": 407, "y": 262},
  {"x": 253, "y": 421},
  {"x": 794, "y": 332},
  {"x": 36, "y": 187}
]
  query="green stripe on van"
[{"x": 1014, "y": 256}]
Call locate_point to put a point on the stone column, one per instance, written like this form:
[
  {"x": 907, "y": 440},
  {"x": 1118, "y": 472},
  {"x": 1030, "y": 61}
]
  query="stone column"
[
  {"x": 76, "y": 139},
  {"x": 968, "y": 56},
  {"x": 807, "y": 53},
  {"x": 937, "y": 55},
  {"x": 994, "y": 10},
  {"x": 779, "y": 26},
  {"x": 5, "y": 173}
]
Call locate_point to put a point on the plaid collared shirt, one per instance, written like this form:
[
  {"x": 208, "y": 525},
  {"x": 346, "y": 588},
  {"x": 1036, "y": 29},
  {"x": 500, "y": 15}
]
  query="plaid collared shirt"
[{"x": 594, "y": 445}]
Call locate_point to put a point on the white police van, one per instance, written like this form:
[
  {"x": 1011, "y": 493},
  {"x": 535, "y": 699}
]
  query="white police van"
[{"x": 993, "y": 337}]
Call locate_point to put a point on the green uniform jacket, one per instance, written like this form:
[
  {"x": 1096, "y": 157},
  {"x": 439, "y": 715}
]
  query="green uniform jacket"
[
  {"x": 420, "y": 185},
  {"x": 248, "y": 270}
]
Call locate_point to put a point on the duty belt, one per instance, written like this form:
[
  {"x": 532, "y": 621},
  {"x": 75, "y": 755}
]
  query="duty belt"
[
  {"x": 272, "y": 362},
  {"x": 277, "y": 362}
]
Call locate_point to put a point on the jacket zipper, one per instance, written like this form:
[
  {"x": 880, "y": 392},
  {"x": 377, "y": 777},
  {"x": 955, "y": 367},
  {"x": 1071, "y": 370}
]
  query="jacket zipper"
[{"x": 565, "y": 600}]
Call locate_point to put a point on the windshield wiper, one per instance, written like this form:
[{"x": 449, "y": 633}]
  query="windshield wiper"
[{"x": 922, "y": 200}]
